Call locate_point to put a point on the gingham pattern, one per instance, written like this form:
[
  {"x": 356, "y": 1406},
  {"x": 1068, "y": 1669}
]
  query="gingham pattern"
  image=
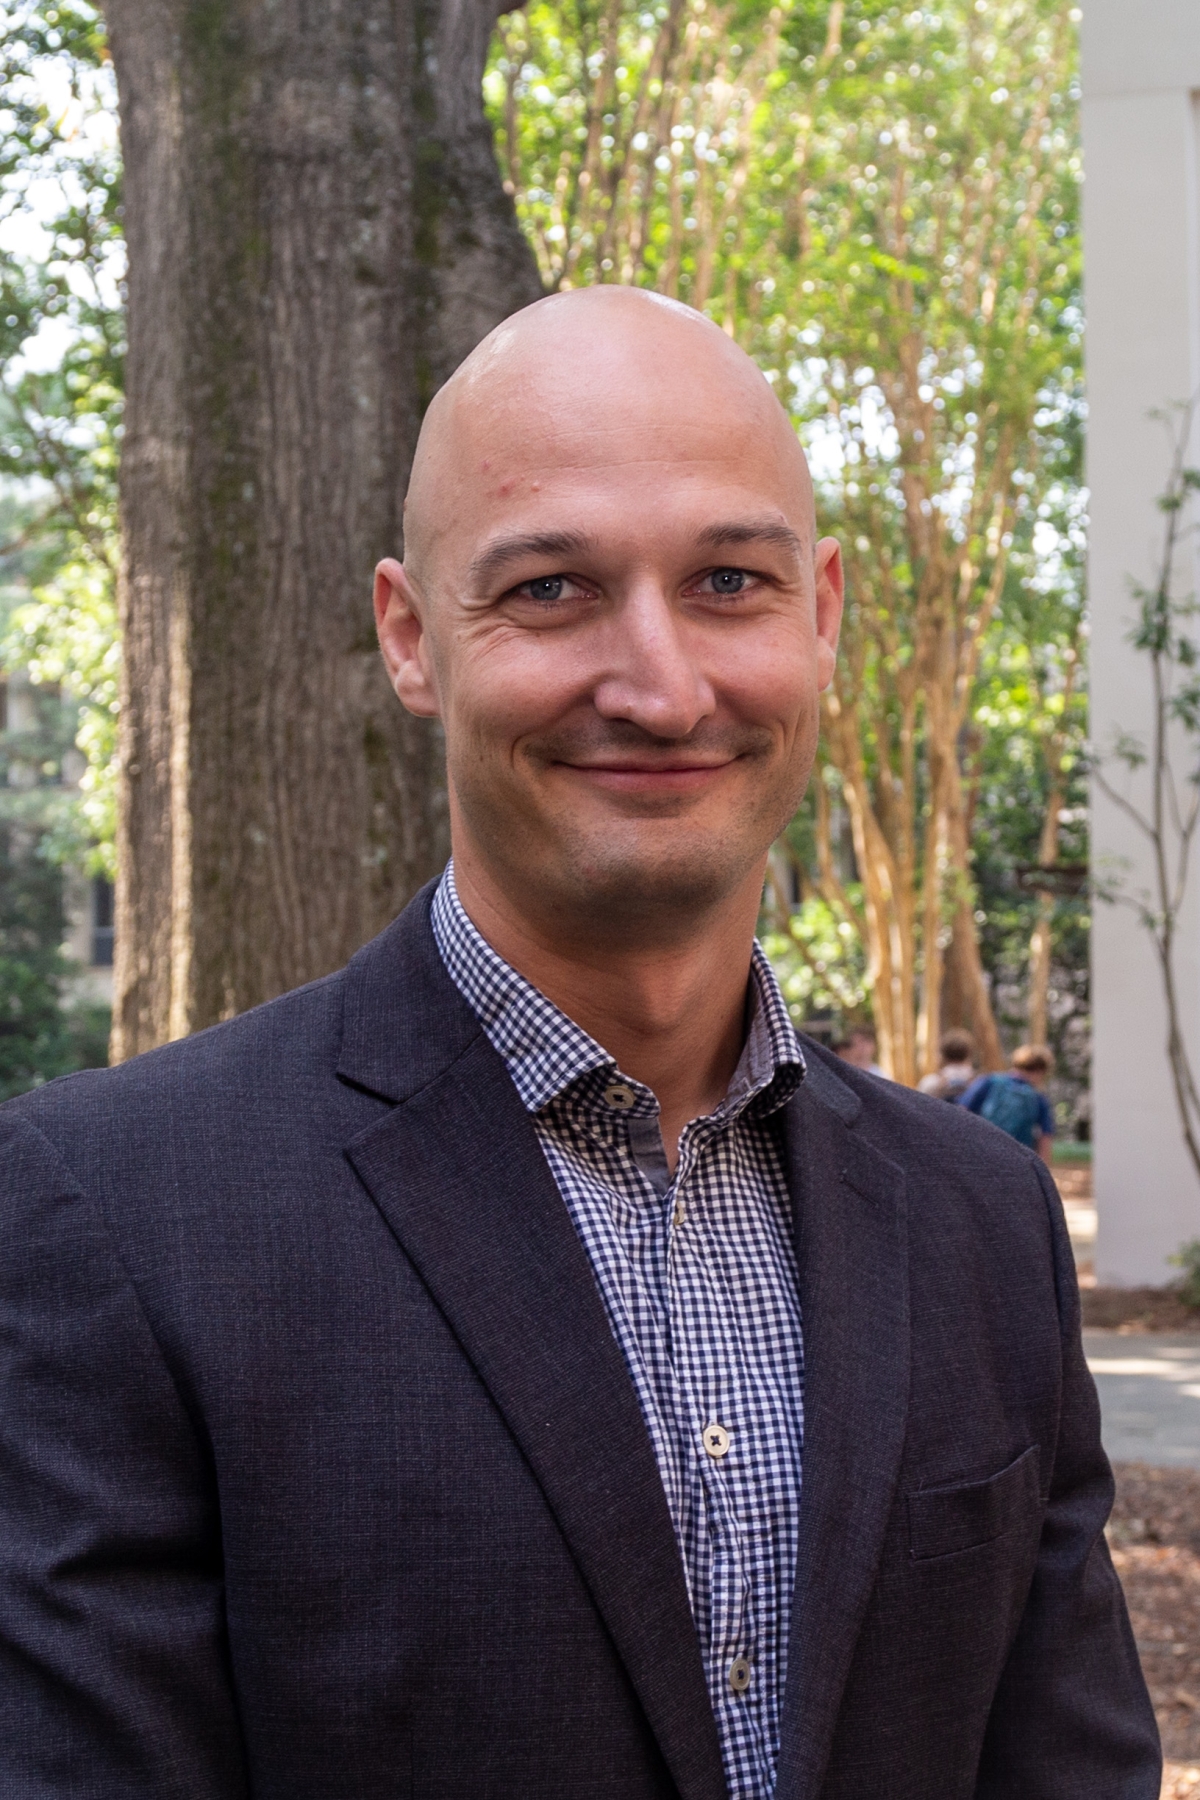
[{"x": 698, "y": 1277}]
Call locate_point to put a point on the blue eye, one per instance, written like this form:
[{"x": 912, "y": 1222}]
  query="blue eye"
[
  {"x": 728, "y": 581},
  {"x": 548, "y": 587}
]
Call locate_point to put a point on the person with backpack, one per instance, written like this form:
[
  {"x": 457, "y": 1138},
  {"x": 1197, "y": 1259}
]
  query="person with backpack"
[
  {"x": 1015, "y": 1101},
  {"x": 956, "y": 1070}
]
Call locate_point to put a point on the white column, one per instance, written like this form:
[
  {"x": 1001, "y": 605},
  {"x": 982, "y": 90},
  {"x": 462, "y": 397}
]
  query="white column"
[{"x": 1141, "y": 119}]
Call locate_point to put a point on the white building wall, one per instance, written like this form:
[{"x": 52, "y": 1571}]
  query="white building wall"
[{"x": 1141, "y": 127}]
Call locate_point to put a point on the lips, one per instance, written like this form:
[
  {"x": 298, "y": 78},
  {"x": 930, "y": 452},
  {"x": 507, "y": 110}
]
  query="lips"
[
  {"x": 619, "y": 754},
  {"x": 648, "y": 777},
  {"x": 649, "y": 768}
]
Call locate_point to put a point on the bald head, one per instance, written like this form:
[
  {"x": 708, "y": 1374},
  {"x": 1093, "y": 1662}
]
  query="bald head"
[{"x": 586, "y": 373}]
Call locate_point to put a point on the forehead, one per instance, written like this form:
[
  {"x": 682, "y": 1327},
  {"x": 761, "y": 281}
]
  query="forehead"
[{"x": 617, "y": 447}]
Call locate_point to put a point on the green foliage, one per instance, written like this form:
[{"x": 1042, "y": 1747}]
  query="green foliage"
[
  {"x": 1031, "y": 711},
  {"x": 61, "y": 378},
  {"x": 818, "y": 958},
  {"x": 1187, "y": 1258},
  {"x": 41, "y": 1035},
  {"x": 61, "y": 387},
  {"x": 44, "y": 1030},
  {"x": 65, "y": 636}
]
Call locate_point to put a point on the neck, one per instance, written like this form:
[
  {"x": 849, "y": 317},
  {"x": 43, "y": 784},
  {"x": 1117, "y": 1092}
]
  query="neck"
[{"x": 671, "y": 1015}]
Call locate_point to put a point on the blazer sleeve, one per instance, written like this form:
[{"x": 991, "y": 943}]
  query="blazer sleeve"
[
  {"x": 114, "y": 1671},
  {"x": 1072, "y": 1719}
]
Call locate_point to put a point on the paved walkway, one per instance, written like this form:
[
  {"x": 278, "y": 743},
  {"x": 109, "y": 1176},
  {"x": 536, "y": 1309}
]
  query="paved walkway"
[{"x": 1149, "y": 1396}]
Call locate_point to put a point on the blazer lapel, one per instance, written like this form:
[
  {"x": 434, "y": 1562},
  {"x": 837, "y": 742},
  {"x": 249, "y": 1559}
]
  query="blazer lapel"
[
  {"x": 852, "y": 1255},
  {"x": 458, "y": 1174}
]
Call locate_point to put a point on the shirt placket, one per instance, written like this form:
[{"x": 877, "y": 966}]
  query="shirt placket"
[{"x": 711, "y": 1418}]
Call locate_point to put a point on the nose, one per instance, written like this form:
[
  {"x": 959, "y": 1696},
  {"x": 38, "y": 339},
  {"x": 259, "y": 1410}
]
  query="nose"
[{"x": 652, "y": 677}]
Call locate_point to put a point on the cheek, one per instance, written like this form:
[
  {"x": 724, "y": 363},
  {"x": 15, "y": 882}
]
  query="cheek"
[
  {"x": 767, "y": 674},
  {"x": 507, "y": 686}
]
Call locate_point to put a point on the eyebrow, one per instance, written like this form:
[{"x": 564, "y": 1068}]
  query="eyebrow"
[
  {"x": 753, "y": 531},
  {"x": 506, "y": 550}
]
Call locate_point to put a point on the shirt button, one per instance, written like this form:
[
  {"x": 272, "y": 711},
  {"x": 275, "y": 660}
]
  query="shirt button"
[
  {"x": 739, "y": 1675},
  {"x": 677, "y": 1215},
  {"x": 620, "y": 1096},
  {"x": 716, "y": 1440}
]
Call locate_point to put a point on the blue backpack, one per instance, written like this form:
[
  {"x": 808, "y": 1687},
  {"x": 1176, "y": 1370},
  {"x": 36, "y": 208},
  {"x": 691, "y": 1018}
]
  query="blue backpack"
[{"x": 1015, "y": 1107}]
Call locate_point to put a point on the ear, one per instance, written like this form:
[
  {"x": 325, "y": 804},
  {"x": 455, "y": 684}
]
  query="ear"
[
  {"x": 831, "y": 589},
  {"x": 404, "y": 640}
]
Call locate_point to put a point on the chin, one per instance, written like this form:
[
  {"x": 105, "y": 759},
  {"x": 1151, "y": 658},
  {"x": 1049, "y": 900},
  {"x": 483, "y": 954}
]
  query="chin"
[
  {"x": 615, "y": 875},
  {"x": 610, "y": 883}
]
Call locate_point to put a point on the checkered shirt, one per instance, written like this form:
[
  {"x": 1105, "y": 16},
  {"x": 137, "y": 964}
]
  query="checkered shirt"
[{"x": 698, "y": 1277}]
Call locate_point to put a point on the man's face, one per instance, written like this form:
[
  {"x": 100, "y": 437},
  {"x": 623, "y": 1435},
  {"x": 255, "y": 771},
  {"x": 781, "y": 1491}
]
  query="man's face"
[{"x": 624, "y": 626}]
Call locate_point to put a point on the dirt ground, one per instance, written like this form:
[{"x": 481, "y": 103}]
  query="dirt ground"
[
  {"x": 1137, "y": 1310},
  {"x": 1155, "y": 1538}
]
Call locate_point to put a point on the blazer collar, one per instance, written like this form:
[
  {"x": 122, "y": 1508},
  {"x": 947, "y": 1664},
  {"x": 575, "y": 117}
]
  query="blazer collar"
[
  {"x": 456, "y": 1170},
  {"x": 403, "y": 1020},
  {"x": 851, "y": 1249}
]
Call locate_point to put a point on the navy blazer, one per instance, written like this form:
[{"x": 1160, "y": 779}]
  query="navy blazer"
[{"x": 321, "y": 1474}]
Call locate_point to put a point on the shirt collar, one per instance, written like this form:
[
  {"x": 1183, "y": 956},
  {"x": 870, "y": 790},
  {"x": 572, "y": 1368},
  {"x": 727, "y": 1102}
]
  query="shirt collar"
[{"x": 545, "y": 1051}]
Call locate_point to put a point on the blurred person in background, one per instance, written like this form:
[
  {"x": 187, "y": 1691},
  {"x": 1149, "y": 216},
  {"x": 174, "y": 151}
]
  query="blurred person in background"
[
  {"x": 859, "y": 1049},
  {"x": 956, "y": 1070},
  {"x": 1016, "y": 1101}
]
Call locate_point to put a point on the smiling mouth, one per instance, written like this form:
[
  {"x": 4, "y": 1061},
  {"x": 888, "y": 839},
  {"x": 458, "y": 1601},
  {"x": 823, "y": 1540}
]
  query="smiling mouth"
[{"x": 644, "y": 775}]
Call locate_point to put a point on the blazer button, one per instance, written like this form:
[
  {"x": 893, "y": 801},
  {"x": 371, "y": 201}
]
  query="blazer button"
[
  {"x": 620, "y": 1097},
  {"x": 739, "y": 1675},
  {"x": 716, "y": 1440}
]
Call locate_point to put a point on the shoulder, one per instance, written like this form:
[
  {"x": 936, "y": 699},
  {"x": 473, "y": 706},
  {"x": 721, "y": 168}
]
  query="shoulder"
[
  {"x": 264, "y": 1100},
  {"x": 188, "y": 1114},
  {"x": 373, "y": 1028},
  {"x": 982, "y": 1212},
  {"x": 295, "y": 1036},
  {"x": 917, "y": 1131}
]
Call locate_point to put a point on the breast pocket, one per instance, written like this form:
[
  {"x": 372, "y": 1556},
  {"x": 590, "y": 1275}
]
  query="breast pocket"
[{"x": 945, "y": 1520}]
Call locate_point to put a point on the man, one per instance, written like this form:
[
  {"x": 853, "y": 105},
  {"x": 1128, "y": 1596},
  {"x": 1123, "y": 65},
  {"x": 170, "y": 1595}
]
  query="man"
[
  {"x": 859, "y": 1049},
  {"x": 956, "y": 1066},
  {"x": 517, "y": 1368},
  {"x": 1016, "y": 1101}
]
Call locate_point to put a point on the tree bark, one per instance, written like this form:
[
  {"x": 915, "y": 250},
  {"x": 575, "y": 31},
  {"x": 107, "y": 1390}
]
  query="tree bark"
[
  {"x": 317, "y": 235},
  {"x": 1041, "y": 942},
  {"x": 1042, "y": 938}
]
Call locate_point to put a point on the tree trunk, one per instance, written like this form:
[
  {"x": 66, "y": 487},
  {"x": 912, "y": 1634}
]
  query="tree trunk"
[
  {"x": 889, "y": 897},
  {"x": 1042, "y": 939},
  {"x": 1041, "y": 942},
  {"x": 317, "y": 235},
  {"x": 970, "y": 978}
]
